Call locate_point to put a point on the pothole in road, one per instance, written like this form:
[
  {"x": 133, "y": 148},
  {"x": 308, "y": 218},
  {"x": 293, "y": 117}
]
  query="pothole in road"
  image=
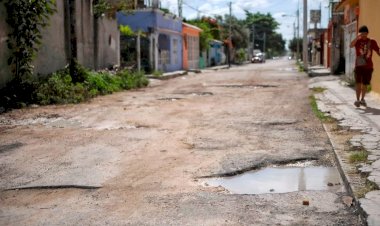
[
  {"x": 9, "y": 147},
  {"x": 247, "y": 86},
  {"x": 197, "y": 93},
  {"x": 282, "y": 179},
  {"x": 170, "y": 98}
]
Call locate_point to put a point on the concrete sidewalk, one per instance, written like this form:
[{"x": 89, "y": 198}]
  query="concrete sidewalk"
[{"x": 338, "y": 101}]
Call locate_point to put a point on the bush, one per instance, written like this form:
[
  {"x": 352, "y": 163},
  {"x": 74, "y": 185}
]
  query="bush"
[
  {"x": 59, "y": 87},
  {"x": 132, "y": 80},
  {"x": 17, "y": 92},
  {"x": 240, "y": 56},
  {"x": 102, "y": 83}
]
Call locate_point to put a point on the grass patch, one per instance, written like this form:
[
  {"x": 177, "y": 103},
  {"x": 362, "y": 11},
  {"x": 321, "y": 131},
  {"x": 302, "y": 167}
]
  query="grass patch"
[
  {"x": 318, "y": 89},
  {"x": 157, "y": 73},
  {"x": 322, "y": 116},
  {"x": 300, "y": 66},
  {"x": 369, "y": 186},
  {"x": 358, "y": 157}
]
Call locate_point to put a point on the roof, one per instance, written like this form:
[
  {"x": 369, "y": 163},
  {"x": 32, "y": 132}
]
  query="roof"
[{"x": 192, "y": 26}]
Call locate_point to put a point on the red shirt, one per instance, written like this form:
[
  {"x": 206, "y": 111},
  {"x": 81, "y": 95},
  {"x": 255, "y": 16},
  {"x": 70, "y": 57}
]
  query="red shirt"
[{"x": 366, "y": 48}]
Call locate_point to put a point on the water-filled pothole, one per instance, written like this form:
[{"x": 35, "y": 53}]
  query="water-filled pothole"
[{"x": 281, "y": 180}]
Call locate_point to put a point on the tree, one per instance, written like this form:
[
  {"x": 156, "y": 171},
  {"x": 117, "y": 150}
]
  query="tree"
[
  {"x": 210, "y": 31},
  {"x": 239, "y": 30},
  {"x": 293, "y": 45},
  {"x": 261, "y": 24}
]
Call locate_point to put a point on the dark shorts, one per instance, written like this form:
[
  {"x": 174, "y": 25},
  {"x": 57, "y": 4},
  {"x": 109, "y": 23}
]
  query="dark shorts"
[{"x": 363, "y": 75}]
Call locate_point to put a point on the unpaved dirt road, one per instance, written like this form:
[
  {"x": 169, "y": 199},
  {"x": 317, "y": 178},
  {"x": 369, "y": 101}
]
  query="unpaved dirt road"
[{"x": 143, "y": 157}]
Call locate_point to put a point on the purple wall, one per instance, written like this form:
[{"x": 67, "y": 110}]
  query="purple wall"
[{"x": 158, "y": 23}]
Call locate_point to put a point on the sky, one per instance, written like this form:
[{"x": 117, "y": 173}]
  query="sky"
[{"x": 284, "y": 11}]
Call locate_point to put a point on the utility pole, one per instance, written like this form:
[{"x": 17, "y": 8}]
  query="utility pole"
[
  {"x": 230, "y": 37},
  {"x": 298, "y": 31},
  {"x": 180, "y": 3},
  {"x": 138, "y": 50},
  {"x": 264, "y": 45},
  {"x": 253, "y": 38},
  {"x": 305, "y": 57}
]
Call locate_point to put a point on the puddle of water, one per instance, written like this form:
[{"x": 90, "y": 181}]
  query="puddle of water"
[{"x": 281, "y": 180}]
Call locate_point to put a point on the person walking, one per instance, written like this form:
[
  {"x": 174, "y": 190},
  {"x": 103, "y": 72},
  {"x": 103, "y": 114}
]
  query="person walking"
[{"x": 364, "y": 47}]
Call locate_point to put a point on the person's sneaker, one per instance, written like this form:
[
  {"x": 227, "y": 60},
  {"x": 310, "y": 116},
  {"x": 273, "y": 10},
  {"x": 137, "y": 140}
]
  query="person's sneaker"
[
  {"x": 357, "y": 103},
  {"x": 363, "y": 103}
]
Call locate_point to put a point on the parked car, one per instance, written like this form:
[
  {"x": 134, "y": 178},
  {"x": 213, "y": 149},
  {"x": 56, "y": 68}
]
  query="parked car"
[{"x": 258, "y": 58}]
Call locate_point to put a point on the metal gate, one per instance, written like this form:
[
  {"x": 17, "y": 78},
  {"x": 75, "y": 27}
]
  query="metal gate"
[{"x": 128, "y": 53}]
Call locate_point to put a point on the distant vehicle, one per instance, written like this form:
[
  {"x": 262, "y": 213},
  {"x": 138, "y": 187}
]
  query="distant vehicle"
[{"x": 258, "y": 58}]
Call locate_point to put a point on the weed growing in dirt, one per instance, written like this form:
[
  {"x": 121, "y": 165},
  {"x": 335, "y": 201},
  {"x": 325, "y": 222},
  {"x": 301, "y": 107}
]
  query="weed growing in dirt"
[
  {"x": 300, "y": 66},
  {"x": 318, "y": 89},
  {"x": 369, "y": 186},
  {"x": 358, "y": 157},
  {"x": 157, "y": 74},
  {"x": 314, "y": 106}
]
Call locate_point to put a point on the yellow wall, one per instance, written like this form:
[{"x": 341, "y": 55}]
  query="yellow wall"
[{"x": 370, "y": 16}]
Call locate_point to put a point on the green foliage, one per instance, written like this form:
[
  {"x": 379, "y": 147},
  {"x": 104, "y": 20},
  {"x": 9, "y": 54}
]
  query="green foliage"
[
  {"x": 157, "y": 73},
  {"x": 239, "y": 30},
  {"x": 358, "y": 156},
  {"x": 126, "y": 30},
  {"x": 209, "y": 32},
  {"x": 133, "y": 80},
  {"x": 103, "y": 83},
  {"x": 364, "y": 189},
  {"x": 101, "y": 7},
  {"x": 317, "y": 112},
  {"x": 26, "y": 18},
  {"x": 59, "y": 89},
  {"x": 80, "y": 72},
  {"x": 241, "y": 56},
  {"x": 264, "y": 23},
  {"x": 318, "y": 89},
  {"x": 293, "y": 45},
  {"x": 165, "y": 10}
]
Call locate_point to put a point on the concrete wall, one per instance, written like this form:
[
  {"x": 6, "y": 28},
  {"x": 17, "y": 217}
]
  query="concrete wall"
[
  {"x": 190, "y": 46},
  {"x": 85, "y": 33},
  {"x": 5, "y": 73},
  {"x": 52, "y": 53},
  {"x": 369, "y": 15},
  {"x": 138, "y": 20},
  {"x": 158, "y": 24},
  {"x": 109, "y": 43}
]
